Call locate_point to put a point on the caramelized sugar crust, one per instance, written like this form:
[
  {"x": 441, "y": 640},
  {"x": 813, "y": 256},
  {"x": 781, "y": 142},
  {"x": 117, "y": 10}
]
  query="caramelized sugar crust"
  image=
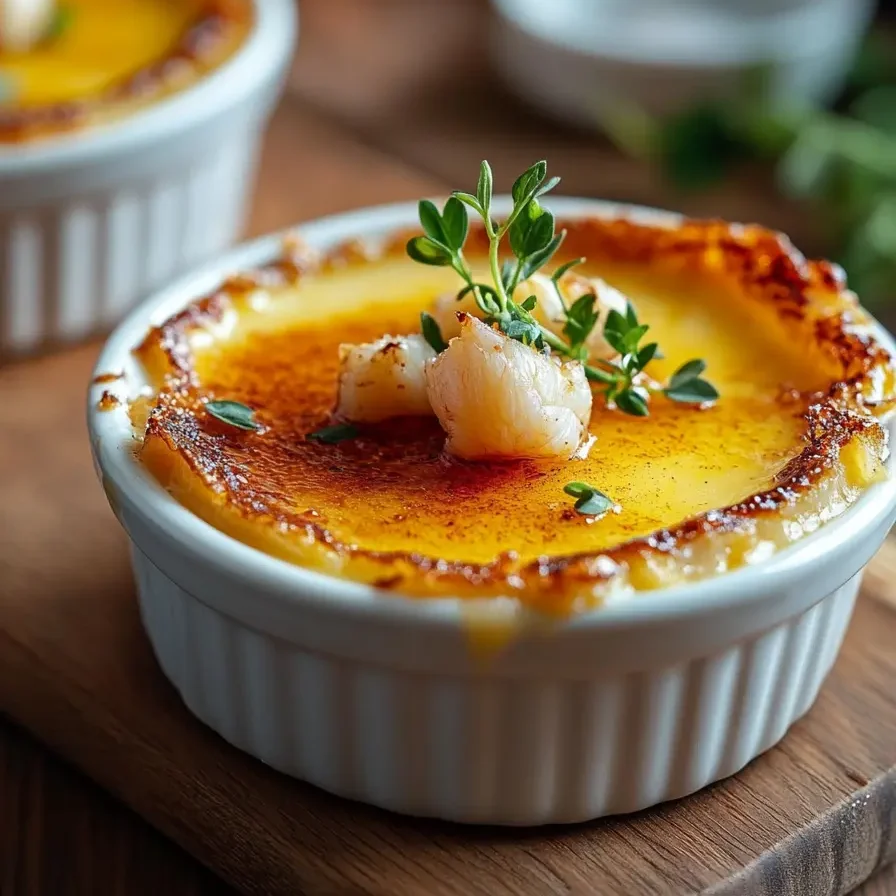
[
  {"x": 215, "y": 33},
  {"x": 244, "y": 483}
]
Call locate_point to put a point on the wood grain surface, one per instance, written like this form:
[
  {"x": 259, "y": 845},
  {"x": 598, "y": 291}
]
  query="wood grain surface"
[{"x": 370, "y": 117}]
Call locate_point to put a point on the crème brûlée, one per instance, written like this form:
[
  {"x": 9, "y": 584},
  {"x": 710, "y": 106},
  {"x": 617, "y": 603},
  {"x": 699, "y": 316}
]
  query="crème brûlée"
[
  {"x": 794, "y": 438},
  {"x": 96, "y": 61}
]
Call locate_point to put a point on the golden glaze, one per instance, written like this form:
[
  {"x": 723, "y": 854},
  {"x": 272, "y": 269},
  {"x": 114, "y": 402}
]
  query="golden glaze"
[
  {"x": 115, "y": 57},
  {"x": 391, "y": 509}
]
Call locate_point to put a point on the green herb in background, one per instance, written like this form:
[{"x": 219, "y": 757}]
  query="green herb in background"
[{"x": 842, "y": 162}]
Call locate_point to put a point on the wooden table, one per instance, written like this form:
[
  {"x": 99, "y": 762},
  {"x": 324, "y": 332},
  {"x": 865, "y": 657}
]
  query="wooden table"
[{"x": 398, "y": 92}]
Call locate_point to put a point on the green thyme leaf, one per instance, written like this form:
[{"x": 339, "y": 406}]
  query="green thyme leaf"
[
  {"x": 531, "y": 230},
  {"x": 329, "y": 435},
  {"x": 470, "y": 200},
  {"x": 581, "y": 319},
  {"x": 589, "y": 500},
  {"x": 540, "y": 233},
  {"x": 518, "y": 231},
  {"x": 695, "y": 391},
  {"x": 455, "y": 223},
  {"x": 594, "y": 504},
  {"x": 647, "y": 354},
  {"x": 484, "y": 188},
  {"x": 632, "y": 402},
  {"x": 432, "y": 332},
  {"x": 526, "y": 185},
  {"x": 547, "y": 186},
  {"x": 539, "y": 259},
  {"x": 633, "y": 336},
  {"x": 529, "y": 304},
  {"x": 567, "y": 266},
  {"x": 523, "y": 331},
  {"x": 431, "y": 222},
  {"x": 530, "y": 235},
  {"x": 577, "y": 489},
  {"x": 615, "y": 328},
  {"x": 688, "y": 371},
  {"x": 425, "y": 251},
  {"x": 623, "y": 332},
  {"x": 487, "y": 300},
  {"x": 234, "y": 414}
]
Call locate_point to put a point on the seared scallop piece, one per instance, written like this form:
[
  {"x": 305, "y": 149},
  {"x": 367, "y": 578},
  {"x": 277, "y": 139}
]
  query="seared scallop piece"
[
  {"x": 549, "y": 310},
  {"x": 498, "y": 398},
  {"x": 445, "y": 311},
  {"x": 24, "y": 23},
  {"x": 383, "y": 379}
]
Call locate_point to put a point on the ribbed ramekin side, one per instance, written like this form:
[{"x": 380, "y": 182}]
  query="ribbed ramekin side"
[
  {"x": 75, "y": 266},
  {"x": 481, "y": 748}
]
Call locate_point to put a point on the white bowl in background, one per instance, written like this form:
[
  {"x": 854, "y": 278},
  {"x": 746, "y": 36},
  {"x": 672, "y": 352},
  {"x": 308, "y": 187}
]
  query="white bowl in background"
[
  {"x": 580, "y": 60},
  {"x": 376, "y": 697},
  {"x": 91, "y": 222}
]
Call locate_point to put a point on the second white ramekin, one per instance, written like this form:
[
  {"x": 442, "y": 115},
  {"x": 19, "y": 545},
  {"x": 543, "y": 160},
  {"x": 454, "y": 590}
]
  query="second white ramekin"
[
  {"x": 378, "y": 698},
  {"x": 598, "y": 58},
  {"x": 90, "y": 223}
]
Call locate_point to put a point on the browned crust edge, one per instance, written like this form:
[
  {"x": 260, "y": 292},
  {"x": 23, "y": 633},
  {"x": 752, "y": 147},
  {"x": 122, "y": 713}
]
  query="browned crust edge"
[
  {"x": 809, "y": 297},
  {"x": 198, "y": 48}
]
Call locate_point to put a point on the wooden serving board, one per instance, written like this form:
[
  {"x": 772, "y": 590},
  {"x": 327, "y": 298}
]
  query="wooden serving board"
[{"x": 816, "y": 815}]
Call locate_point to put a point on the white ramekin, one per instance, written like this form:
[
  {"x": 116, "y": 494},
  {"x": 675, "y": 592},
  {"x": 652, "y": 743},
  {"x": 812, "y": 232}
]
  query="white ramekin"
[
  {"x": 594, "y": 57},
  {"x": 92, "y": 222},
  {"x": 377, "y": 697}
]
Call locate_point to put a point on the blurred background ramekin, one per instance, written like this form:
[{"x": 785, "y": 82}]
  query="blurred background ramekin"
[
  {"x": 575, "y": 59},
  {"x": 92, "y": 222}
]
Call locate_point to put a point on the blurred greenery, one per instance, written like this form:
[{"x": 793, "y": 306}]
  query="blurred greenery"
[{"x": 840, "y": 161}]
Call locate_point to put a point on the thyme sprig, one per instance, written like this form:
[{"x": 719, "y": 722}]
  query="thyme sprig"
[
  {"x": 530, "y": 232},
  {"x": 625, "y": 384}
]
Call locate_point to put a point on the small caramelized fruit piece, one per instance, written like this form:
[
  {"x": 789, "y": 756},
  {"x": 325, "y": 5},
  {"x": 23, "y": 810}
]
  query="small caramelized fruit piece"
[
  {"x": 498, "y": 398},
  {"x": 862, "y": 464},
  {"x": 383, "y": 379}
]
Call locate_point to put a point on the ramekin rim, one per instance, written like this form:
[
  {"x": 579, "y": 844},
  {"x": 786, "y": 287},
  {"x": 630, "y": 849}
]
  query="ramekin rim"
[
  {"x": 608, "y": 54},
  {"x": 111, "y": 438}
]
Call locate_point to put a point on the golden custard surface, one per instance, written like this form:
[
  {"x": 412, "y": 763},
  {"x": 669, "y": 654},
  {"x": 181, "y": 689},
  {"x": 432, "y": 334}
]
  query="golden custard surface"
[
  {"x": 113, "y": 55},
  {"x": 390, "y": 507},
  {"x": 395, "y": 490}
]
